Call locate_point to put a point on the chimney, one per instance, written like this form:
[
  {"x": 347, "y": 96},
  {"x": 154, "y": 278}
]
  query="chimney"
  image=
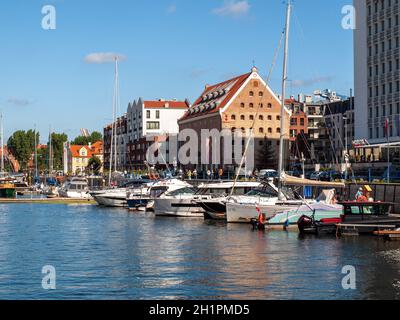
[{"x": 300, "y": 98}]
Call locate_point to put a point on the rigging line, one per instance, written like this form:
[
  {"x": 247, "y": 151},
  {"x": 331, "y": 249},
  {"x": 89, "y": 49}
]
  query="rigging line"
[{"x": 258, "y": 111}]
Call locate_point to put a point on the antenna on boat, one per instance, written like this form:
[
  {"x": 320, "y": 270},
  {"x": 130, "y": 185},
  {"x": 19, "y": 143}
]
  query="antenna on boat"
[{"x": 284, "y": 80}]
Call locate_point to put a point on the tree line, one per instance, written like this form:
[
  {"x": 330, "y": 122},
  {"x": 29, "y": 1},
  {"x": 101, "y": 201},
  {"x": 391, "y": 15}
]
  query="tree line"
[{"x": 21, "y": 145}]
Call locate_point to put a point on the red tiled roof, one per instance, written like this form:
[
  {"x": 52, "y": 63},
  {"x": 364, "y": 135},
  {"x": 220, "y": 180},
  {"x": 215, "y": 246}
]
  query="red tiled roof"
[
  {"x": 165, "y": 104},
  {"x": 216, "y": 97},
  {"x": 97, "y": 147},
  {"x": 75, "y": 151}
]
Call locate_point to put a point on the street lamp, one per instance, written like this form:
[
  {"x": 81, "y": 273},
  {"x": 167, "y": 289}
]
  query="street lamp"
[{"x": 346, "y": 154}]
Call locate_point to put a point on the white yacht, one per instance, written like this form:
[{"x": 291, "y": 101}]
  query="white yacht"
[
  {"x": 185, "y": 202},
  {"x": 215, "y": 208},
  {"x": 76, "y": 187},
  {"x": 143, "y": 198},
  {"x": 117, "y": 197},
  {"x": 265, "y": 200}
]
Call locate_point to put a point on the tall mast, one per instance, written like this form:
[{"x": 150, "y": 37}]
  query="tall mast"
[
  {"x": 113, "y": 151},
  {"x": 50, "y": 153},
  {"x": 284, "y": 79},
  {"x": 115, "y": 111},
  {"x": 36, "y": 164}
]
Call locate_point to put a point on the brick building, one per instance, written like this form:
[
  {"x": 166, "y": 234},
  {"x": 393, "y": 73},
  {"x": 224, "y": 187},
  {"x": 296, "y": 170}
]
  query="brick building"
[{"x": 236, "y": 104}]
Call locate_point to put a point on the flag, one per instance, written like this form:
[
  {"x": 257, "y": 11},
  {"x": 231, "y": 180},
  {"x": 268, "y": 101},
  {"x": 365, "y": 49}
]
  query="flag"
[{"x": 386, "y": 127}]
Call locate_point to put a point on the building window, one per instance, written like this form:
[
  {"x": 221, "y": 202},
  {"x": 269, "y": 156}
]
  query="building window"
[
  {"x": 251, "y": 117},
  {"x": 261, "y": 94},
  {"x": 251, "y": 105},
  {"x": 158, "y": 114},
  {"x": 261, "y": 118},
  {"x": 278, "y": 130},
  {"x": 242, "y": 105},
  {"x": 278, "y": 118},
  {"x": 269, "y": 130},
  {"x": 152, "y": 125},
  {"x": 269, "y": 106},
  {"x": 261, "y": 130},
  {"x": 251, "y": 93},
  {"x": 233, "y": 117},
  {"x": 269, "y": 118},
  {"x": 242, "y": 117}
]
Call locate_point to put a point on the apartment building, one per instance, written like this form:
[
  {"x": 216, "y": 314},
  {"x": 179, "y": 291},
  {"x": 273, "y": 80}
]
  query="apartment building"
[{"x": 377, "y": 70}]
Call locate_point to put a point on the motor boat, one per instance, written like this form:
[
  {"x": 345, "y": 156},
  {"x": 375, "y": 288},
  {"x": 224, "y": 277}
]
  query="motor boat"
[
  {"x": 142, "y": 199},
  {"x": 117, "y": 197},
  {"x": 76, "y": 187},
  {"x": 324, "y": 207},
  {"x": 185, "y": 202},
  {"x": 215, "y": 208},
  {"x": 264, "y": 200},
  {"x": 356, "y": 217}
]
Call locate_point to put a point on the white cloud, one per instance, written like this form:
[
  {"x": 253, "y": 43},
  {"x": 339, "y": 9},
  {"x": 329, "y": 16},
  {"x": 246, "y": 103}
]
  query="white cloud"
[
  {"x": 103, "y": 57},
  {"x": 311, "y": 82},
  {"x": 19, "y": 102},
  {"x": 233, "y": 8},
  {"x": 172, "y": 8}
]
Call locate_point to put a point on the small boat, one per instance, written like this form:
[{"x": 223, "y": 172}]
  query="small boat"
[
  {"x": 7, "y": 188},
  {"x": 324, "y": 208},
  {"x": 142, "y": 199},
  {"x": 117, "y": 197},
  {"x": 215, "y": 208},
  {"x": 242, "y": 209},
  {"x": 357, "y": 217},
  {"x": 75, "y": 187}
]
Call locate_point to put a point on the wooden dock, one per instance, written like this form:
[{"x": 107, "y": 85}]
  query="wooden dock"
[{"x": 46, "y": 201}]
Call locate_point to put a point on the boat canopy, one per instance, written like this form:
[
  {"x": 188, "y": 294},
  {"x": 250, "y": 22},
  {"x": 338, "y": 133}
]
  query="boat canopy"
[{"x": 294, "y": 181}]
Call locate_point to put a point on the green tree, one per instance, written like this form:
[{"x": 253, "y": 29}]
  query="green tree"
[
  {"x": 58, "y": 140},
  {"x": 266, "y": 157},
  {"x": 22, "y": 146},
  {"x": 94, "y": 165},
  {"x": 84, "y": 141}
]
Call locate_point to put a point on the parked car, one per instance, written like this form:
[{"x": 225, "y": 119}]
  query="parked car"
[{"x": 268, "y": 174}]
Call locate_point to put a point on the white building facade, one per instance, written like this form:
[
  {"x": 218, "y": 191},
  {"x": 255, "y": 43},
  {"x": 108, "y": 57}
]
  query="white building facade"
[{"x": 377, "y": 70}]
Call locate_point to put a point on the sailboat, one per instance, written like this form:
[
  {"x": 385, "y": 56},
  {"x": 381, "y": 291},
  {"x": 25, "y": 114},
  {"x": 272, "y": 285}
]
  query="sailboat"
[
  {"x": 50, "y": 190},
  {"x": 269, "y": 199},
  {"x": 113, "y": 197}
]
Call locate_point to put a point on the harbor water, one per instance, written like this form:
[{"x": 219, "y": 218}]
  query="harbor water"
[{"x": 101, "y": 253}]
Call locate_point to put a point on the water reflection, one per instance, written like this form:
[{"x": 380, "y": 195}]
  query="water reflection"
[{"x": 114, "y": 254}]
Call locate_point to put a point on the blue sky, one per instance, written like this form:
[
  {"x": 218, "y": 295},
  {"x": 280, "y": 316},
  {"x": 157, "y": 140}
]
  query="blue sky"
[{"x": 172, "y": 49}]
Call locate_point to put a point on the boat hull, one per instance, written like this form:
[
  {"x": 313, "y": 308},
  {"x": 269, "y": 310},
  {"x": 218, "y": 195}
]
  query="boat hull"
[
  {"x": 244, "y": 213},
  {"x": 110, "y": 201},
  {"x": 178, "y": 208}
]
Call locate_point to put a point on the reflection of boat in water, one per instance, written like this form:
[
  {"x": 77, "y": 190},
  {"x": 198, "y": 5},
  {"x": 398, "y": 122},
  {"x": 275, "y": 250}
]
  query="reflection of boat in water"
[
  {"x": 357, "y": 217},
  {"x": 76, "y": 187}
]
